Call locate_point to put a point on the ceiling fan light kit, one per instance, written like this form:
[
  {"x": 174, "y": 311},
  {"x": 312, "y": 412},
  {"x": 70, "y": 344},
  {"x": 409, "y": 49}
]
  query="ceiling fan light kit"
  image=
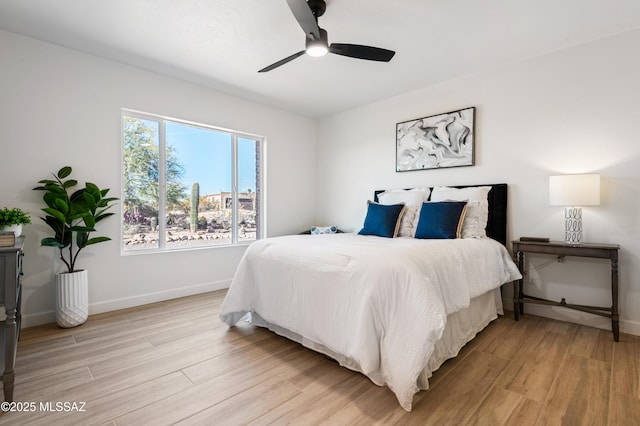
[
  {"x": 317, "y": 44},
  {"x": 319, "y": 47}
]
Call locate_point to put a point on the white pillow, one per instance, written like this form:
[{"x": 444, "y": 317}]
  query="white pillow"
[
  {"x": 475, "y": 221},
  {"x": 412, "y": 200}
]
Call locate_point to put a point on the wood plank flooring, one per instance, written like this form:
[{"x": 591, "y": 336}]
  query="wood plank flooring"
[{"x": 174, "y": 362}]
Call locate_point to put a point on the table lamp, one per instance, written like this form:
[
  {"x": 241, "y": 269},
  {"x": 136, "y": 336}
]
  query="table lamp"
[{"x": 573, "y": 192}]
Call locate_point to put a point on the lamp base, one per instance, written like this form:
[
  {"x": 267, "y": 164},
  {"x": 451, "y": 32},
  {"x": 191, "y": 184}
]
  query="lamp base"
[{"x": 573, "y": 225}]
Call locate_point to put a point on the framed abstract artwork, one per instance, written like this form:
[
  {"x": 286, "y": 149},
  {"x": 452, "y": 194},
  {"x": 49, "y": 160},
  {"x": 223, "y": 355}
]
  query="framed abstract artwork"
[{"x": 437, "y": 141}]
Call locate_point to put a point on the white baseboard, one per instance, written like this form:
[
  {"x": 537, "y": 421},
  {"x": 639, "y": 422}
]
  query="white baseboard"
[
  {"x": 39, "y": 318},
  {"x": 129, "y": 302},
  {"x": 576, "y": 317}
]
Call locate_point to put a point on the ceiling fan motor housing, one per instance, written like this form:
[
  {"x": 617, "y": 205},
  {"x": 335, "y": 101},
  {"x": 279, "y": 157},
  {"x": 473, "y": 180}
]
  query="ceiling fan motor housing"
[{"x": 317, "y": 7}]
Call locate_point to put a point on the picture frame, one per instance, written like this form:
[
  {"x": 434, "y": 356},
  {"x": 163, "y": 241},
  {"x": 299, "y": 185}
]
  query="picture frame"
[{"x": 436, "y": 141}]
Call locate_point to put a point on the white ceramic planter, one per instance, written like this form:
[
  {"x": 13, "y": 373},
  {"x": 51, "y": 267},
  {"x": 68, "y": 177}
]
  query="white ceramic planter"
[
  {"x": 16, "y": 229},
  {"x": 72, "y": 298}
]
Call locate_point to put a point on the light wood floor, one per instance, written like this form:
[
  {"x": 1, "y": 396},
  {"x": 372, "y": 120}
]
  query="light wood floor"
[{"x": 175, "y": 362}]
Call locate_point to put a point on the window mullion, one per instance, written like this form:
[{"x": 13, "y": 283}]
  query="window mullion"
[
  {"x": 162, "y": 187},
  {"x": 234, "y": 186}
]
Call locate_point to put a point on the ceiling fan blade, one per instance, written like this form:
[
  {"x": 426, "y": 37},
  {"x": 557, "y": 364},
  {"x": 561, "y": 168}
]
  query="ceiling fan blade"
[
  {"x": 305, "y": 18},
  {"x": 362, "y": 52},
  {"x": 282, "y": 61}
]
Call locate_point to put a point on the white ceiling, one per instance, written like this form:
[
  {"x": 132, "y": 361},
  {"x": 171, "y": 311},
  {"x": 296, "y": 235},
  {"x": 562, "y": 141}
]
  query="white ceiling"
[{"x": 223, "y": 43}]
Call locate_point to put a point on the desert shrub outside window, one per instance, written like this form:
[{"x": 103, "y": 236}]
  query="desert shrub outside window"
[{"x": 187, "y": 185}]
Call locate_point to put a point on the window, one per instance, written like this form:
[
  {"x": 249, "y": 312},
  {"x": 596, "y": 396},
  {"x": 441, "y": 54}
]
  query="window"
[{"x": 188, "y": 185}]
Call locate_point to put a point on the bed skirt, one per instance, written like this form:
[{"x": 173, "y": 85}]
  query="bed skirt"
[{"x": 461, "y": 328}]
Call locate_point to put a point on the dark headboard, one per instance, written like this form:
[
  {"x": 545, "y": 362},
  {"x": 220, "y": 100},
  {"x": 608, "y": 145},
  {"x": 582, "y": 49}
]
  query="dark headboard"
[{"x": 497, "y": 222}]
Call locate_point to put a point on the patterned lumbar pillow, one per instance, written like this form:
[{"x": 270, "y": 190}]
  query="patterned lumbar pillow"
[{"x": 317, "y": 230}]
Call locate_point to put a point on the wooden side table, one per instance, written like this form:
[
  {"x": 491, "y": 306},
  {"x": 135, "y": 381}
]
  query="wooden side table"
[{"x": 560, "y": 249}]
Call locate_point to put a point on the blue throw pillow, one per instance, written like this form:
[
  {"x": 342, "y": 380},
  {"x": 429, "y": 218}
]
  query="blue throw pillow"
[
  {"x": 441, "y": 220},
  {"x": 381, "y": 220}
]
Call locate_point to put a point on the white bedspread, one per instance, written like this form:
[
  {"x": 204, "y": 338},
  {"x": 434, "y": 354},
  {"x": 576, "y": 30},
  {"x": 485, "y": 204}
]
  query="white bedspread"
[{"x": 382, "y": 303}]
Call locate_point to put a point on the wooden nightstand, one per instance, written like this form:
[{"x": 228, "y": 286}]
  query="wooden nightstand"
[{"x": 560, "y": 249}]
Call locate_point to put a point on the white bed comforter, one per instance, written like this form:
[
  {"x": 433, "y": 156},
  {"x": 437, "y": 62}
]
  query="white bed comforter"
[{"x": 380, "y": 303}]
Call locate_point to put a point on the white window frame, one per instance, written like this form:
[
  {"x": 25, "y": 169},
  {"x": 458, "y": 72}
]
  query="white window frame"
[{"x": 162, "y": 231}]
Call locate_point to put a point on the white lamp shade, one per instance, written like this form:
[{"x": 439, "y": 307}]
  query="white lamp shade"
[{"x": 574, "y": 190}]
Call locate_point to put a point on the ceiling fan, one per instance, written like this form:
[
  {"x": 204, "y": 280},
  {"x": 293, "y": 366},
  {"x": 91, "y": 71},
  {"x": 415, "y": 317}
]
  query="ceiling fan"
[{"x": 317, "y": 44}]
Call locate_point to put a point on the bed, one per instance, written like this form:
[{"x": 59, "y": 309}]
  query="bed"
[{"x": 393, "y": 309}]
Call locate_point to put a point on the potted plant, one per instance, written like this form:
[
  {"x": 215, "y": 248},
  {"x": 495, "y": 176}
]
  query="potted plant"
[
  {"x": 72, "y": 216},
  {"x": 11, "y": 220}
]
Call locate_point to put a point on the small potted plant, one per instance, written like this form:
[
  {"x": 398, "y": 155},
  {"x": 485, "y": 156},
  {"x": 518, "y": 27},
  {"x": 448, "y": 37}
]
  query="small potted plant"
[
  {"x": 72, "y": 215},
  {"x": 11, "y": 220}
]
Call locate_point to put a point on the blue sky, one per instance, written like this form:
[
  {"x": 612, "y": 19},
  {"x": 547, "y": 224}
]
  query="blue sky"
[{"x": 206, "y": 157}]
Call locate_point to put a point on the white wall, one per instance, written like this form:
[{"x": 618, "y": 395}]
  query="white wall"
[
  {"x": 61, "y": 107},
  {"x": 568, "y": 112},
  {"x": 572, "y": 111}
]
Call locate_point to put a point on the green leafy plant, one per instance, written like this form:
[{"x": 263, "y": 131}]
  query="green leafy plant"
[
  {"x": 70, "y": 213},
  {"x": 13, "y": 216}
]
